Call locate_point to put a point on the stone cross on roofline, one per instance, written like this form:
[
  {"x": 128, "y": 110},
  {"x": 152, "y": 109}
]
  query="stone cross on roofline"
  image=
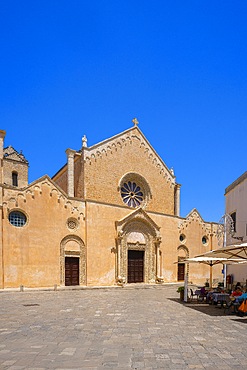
[{"x": 135, "y": 122}]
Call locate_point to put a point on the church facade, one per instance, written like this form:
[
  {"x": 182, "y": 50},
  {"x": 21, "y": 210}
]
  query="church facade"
[{"x": 109, "y": 216}]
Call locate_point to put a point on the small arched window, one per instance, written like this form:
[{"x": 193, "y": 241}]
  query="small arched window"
[{"x": 14, "y": 178}]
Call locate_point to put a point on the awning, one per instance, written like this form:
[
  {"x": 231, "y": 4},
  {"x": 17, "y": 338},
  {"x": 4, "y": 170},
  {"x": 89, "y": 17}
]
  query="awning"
[
  {"x": 212, "y": 258},
  {"x": 211, "y": 261},
  {"x": 235, "y": 253}
]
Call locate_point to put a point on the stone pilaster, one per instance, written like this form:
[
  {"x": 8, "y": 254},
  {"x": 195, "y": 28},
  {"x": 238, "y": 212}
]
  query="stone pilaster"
[
  {"x": 157, "y": 242},
  {"x": 120, "y": 280},
  {"x": 70, "y": 157},
  {"x": 177, "y": 200}
]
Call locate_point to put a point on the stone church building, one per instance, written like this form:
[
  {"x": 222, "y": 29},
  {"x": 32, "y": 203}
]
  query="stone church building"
[{"x": 109, "y": 216}]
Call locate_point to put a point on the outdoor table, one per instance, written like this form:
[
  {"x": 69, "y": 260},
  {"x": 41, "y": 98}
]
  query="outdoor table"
[
  {"x": 220, "y": 298},
  {"x": 199, "y": 294},
  {"x": 209, "y": 297}
]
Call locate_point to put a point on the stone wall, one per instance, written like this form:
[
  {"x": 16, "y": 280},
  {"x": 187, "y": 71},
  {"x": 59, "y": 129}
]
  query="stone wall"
[
  {"x": 32, "y": 252},
  {"x": 62, "y": 180},
  {"x": 105, "y": 166},
  {"x": 10, "y": 166},
  {"x": 102, "y": 245}
]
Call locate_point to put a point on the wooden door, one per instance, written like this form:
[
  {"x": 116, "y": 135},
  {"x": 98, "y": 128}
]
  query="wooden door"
[
  {"x": 135, "y": 266},
  {"x": 71, "y": 271},
  {"x": 181, "y": 271}
]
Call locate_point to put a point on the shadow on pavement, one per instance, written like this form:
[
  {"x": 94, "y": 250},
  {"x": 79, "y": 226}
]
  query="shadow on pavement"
[
  {"x": 207, "y": 309},
  {"x": 243, "y": 321}
]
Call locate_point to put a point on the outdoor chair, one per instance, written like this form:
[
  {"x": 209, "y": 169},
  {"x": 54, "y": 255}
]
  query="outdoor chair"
[
  {"x": 192, "y": 295},
  {"x": 231, "y": 307},
  {"x": 201, "y": 295}
]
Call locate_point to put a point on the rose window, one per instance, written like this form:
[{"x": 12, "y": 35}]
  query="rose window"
[{"x": 131, "y": 194}]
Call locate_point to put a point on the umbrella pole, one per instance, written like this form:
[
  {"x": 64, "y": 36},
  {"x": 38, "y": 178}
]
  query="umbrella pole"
[
  {"x": 186, "y": 287},
  {"x": 211, "y": 276}
]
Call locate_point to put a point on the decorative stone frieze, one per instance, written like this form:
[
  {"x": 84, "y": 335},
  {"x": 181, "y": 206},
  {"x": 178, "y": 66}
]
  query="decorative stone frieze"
[
  {"x": 194, "y": 216},
  {"x": 35, "y": 190},
  {"x": 117, "y": 143}
]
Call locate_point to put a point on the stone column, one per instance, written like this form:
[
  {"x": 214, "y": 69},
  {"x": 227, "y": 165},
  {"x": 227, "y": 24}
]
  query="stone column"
[
  {"x": 157, "y": 245},
  {"x": 118, "y": 261},
  {"x": 158, "y": 261},
  {"x": 70, "y": 155},
  {"x": 177, "y": 200},
  {"x": 119, "y": 239}
]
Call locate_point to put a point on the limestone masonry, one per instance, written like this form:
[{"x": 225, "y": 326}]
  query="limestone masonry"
[{"x": 110, "y": 216}]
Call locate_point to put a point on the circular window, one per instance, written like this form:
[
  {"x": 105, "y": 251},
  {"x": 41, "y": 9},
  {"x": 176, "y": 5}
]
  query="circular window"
[
  {"x": 72, "y": 223},
  {"x": 204, "y": 240},
  {"x": 131, "y": 194},
  {"x": 182, "y": 238},
  {"x": 17, "y": 218}
]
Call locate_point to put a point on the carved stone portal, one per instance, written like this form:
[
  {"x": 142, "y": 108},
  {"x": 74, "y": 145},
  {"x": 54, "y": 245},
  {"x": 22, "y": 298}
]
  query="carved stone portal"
[
  {"x": 73, "y": 246},
  {"x": 138, "y": 232}
]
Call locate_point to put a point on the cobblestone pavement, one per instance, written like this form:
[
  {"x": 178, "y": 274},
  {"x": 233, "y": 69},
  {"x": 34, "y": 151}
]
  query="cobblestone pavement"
[{"x": 122, "y": 328}]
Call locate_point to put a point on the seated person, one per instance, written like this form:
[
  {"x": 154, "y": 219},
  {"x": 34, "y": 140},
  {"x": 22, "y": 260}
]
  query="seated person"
[
  {"x": 218, "y": 290},
  {"x": 242, "y": 297},
  {"x": 209, "y": 295},
  {"x": 238, "y": 285},
  {"x": 203, "y": 293},
  {"x": 236, "y": 293}
]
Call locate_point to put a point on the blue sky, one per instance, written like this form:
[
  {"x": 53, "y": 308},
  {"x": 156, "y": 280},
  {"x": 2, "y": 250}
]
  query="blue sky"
[{"x": 76, "y": 67}]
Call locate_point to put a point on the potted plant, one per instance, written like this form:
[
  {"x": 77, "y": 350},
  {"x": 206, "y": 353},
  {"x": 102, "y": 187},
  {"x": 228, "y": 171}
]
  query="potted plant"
[{"x": 181, "y": 291}]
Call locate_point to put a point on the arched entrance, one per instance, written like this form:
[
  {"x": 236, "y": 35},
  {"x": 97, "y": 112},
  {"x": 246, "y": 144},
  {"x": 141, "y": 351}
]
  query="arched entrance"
[
  {"x": 138, "y": 253},
  {"x": 183, "y": 253},
  {"x": 72, "y": 261}
]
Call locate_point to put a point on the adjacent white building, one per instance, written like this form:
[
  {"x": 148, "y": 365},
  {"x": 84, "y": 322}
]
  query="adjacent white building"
[{"x": 236, "y": 207}]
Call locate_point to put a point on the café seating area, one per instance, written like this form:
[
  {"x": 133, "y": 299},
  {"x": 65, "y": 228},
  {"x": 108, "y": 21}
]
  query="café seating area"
[{"x": 224, "y": 298}]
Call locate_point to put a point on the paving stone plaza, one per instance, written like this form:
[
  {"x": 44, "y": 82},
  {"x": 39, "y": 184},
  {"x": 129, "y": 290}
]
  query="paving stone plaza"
[{"x": 140, "y": 327}]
